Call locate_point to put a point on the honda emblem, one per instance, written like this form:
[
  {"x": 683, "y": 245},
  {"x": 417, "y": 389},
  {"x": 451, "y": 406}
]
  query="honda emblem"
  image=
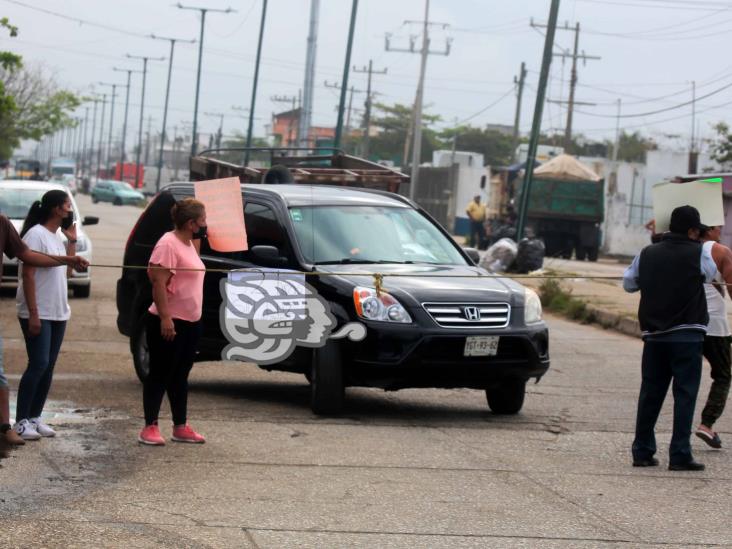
[{"x": 471, "y": 313}]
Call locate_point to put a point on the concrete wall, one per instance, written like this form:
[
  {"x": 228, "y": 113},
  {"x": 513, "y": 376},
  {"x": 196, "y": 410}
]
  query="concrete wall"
[
  {"x": 470, "y": 171},
  {"x": 629, "y": 197}
]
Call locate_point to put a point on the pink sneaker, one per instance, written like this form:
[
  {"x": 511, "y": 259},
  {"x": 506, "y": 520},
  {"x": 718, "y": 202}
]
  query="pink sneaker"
[
  {"x": 150, "y": 434},
  {"x": 184, "y": 433}
]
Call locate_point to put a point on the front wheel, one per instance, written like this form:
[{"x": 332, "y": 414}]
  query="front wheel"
[
  {"x": 94, "y": 199},
  {"x": 82, "y": 291},
  {"x": 326, "y": 380},
  {"x": 507, "y": 397},
  {"x": 139, "y": 349},
  {"x": 117, "y": 201}
]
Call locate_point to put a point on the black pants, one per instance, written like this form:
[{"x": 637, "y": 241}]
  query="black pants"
[
  {"x": 170, "y": 364},
  {"x": 477, "y": 234},
  {"x": 717, "y": 352},
  {"x": 663, "y": 362}
]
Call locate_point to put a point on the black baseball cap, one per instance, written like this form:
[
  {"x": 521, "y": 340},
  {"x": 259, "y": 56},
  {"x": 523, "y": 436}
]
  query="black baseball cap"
[{"x": 684, "y": 218}]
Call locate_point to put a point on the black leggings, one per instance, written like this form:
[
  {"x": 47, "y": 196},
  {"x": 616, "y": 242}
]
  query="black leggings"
[{"x": 170, "y": 364}]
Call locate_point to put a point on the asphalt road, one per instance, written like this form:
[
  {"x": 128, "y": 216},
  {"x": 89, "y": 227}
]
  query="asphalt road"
[{"x": 418, "y": 468}]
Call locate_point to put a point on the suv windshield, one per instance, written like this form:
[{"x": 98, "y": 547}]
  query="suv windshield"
[{"x": 370, "y": 234}]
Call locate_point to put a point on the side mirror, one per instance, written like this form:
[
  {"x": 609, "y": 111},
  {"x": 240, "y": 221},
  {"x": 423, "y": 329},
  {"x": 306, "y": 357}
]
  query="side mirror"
[
  {"x": 90, "y": 220},
  {"x": 482, "y": 181},
  {"x": 268, "y": 256},
  {"x": 473, "y": 254}
]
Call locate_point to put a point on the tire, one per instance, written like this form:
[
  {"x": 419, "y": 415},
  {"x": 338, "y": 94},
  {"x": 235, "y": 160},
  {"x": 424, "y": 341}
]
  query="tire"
[
  {"x": 580, "y": 253},
  {"x": 326, "y": 380},
  {"x": 278, "y": 174},
  {"x": 82, "y": 291},
  {"x": 94, "y": 199},
  {"x": 592, "y": 253},
  {"x": 117, "y": 202},
  {"x": 508, "y": 397},
  {"x": 138, "y": 348}
]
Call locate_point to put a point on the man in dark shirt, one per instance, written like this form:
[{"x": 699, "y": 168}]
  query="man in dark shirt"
[
  {"x": 12, "y": 246},
  {"x": 670, "y": 275}
]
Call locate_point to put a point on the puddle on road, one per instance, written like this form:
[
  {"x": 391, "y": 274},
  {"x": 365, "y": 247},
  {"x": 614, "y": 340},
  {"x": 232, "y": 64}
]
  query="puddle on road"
[{"x": 64, "y": 413}]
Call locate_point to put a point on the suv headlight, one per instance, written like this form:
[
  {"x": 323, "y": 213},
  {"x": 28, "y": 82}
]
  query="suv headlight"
[
  {"x": 383, "y": 308},
  {"x": 532, "y": 307}
]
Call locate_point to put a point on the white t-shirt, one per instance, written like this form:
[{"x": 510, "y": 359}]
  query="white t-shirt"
[
  {"x": 716, "y": 305},
  {"x": 52, "y": 294}
]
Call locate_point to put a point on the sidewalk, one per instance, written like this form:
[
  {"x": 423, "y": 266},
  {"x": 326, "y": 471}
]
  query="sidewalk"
[{"x": 613, "y": 307}]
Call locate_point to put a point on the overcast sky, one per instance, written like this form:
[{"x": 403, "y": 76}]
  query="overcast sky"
[{"x": 651, "y": 50}]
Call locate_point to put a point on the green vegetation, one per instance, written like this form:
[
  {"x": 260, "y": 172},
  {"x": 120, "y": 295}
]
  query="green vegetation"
[
  {"x": 31, "y": 104},
  {"x": 558, "y": 299}
]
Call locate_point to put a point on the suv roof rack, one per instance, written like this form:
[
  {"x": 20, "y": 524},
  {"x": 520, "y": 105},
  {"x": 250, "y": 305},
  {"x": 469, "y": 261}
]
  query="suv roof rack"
[{"x": 318, "y": 165}]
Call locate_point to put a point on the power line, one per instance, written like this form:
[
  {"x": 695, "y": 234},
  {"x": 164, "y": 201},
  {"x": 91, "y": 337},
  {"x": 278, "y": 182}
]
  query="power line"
[
  {"x": 658, "y": 111},
  {"x": 490, "y": 106}
]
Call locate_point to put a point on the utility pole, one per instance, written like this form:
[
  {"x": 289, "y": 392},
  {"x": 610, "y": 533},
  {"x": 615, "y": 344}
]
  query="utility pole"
[
  {"x": 93, "y": 134},
  {"x": 419, "y": 99},
  {"x": 204, "y": 11},
  {"x": 250, "y": 129},
  {"x": 367, "y": 106},
  {"x": 575, "y": 55},
  {"x": 693, "y": 155},
  {"x": 82, "y": 151},
  {"x": 123, "y": 144},
  {"x": 351, "y": 90},
  {"x": 344, "y": 82},
  {"x": 111, "y": 122},
  {"x": 167, "y": 97},
  {"x": 148, "y": 137},
  {"x": 145, "y": 59},
  {"x": 101, "y": 135},
  {"x": 536, "y": 124},
  {"x": 306, "y": 112},
  {"x": 616, "y": 146},
  {"x": 289, "y": 99},
  {"x": 517, "y": 119}
]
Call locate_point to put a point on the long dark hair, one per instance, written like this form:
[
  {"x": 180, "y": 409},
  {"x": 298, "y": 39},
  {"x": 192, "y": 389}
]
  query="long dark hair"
[{"x": 40, "y": 210}]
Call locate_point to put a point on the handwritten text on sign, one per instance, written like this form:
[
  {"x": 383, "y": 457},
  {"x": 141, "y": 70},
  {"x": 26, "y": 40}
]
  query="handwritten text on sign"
[{"x": 224, "y": 214}]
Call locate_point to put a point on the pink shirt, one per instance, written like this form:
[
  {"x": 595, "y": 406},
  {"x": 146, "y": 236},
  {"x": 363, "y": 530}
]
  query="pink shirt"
[{"x": 185, "y": 288}]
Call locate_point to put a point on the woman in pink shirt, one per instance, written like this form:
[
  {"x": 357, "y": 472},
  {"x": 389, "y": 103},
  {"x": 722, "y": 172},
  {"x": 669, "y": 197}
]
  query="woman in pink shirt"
[{"x": 174, "y": 322}]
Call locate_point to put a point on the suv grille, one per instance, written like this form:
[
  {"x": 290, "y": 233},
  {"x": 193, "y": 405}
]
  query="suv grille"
[{"x": 469, "y": 315}]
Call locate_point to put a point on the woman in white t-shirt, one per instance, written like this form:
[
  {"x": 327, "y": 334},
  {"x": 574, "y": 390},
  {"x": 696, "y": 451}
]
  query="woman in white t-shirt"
[{"x": 43, "y": 307}]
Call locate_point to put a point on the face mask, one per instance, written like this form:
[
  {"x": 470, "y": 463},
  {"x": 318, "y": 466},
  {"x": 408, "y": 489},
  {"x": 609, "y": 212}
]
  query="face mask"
[
  {"x": 67, "y": 221},
  {"x": 202, "y": 232}
]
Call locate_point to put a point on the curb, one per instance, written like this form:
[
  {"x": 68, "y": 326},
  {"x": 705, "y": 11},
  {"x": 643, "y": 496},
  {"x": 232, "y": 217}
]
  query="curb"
[{"x": 614, "y": 321}]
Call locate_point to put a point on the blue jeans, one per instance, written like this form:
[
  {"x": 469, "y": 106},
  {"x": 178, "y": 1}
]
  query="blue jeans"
[
  {"x": 42, "y": 353},
  {"x": 664, "y": 361}
]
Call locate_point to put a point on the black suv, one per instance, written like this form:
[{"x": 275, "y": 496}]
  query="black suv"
[{"x": 454, "y": 326}]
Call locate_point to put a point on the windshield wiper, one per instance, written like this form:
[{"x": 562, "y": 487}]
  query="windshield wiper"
[{"x": 351, "y": 261}]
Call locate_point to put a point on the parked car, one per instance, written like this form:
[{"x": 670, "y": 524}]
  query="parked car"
[
  {"x": 116, "y": 192},
  {"x": 16, "y": 198},
  {"x": 67, "y": 180},
  {"x": 442, "y": 330}
]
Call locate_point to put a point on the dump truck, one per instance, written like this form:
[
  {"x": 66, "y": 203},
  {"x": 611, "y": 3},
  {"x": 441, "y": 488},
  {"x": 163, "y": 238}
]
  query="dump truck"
[{"x": 566, "y": 208}]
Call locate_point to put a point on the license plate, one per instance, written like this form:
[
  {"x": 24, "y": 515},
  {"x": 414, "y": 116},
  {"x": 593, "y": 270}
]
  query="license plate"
[{"x": 481, "y": 346}]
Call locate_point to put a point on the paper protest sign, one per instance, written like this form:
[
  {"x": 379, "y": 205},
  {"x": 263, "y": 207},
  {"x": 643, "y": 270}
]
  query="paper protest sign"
[
  {"x": 705, "y": 195},
  {"x": 224, "y": 214}
]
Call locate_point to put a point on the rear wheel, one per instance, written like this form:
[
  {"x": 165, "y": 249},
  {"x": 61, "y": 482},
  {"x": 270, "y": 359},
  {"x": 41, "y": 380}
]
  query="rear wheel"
[
  {"x": 139, "y": 350},
  {"x": 507, "y": 397},
  {"x": 326, "y": 380}
]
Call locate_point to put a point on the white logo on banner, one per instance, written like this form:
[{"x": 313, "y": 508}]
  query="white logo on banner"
[{"x": 264, "y": 316}]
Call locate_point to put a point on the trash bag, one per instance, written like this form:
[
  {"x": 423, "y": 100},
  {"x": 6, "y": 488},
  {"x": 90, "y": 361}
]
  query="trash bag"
[
  {"x": 500, "y": 256},
  {"x": 530, "y": 255}
]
